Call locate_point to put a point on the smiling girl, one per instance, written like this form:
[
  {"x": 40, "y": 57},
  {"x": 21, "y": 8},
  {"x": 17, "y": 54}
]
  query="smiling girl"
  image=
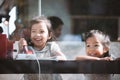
[
  {"x": 97, "y": 48},
  {"x": 42, "y": 45}
]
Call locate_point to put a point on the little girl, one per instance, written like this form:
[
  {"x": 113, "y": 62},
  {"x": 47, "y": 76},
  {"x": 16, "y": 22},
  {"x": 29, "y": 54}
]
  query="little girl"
[
  {"x": 41, "y": 40},
  {"x": 97, "y": 48},
  {"x": 41, "y": 45}
]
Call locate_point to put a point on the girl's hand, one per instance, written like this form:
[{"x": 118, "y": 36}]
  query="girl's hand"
[
  {"x": 22, "y": 42},
  {"x": 106, "y": 58}
]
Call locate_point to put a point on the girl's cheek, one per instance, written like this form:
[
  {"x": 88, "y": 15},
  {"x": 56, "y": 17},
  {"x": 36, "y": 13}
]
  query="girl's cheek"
[
  {"x": 32, "y": 34},
  {"x": 87, "y": 52}
]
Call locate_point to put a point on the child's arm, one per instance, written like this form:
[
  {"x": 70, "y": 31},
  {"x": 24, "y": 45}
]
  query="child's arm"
[
  {"x": 92, "y": 58},
  {"x": 86, "y": 58},
  {"x": 60, "y": 56},
  {"x": 21, "y": 44},
  {"x": 56, "y": 52}
]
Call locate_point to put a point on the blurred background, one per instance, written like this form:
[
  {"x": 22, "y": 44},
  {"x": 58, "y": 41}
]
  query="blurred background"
[{"x": 78, "y": 16}]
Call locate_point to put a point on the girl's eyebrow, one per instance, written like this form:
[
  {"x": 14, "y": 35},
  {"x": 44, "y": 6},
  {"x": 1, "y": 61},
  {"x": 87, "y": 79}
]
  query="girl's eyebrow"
[
  {"x": 33, "y": 29},
  {"x": 97, "y": 42},
  {"x": 88, "y": 42}
]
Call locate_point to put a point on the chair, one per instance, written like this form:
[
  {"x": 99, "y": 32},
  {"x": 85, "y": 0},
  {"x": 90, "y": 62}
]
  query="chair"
[{"x": 3, "y": 46}]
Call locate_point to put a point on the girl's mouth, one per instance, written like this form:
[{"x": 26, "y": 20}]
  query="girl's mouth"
[{"x": 92, "y": 54}]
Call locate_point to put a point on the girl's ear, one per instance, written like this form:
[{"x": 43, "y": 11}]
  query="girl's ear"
[
  {"x": 105, "y": 49},
  {"x": 50, "y": 36}
]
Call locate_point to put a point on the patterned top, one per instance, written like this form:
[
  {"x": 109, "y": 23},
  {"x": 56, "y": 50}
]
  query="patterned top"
[{"x": 48, "y": 52}]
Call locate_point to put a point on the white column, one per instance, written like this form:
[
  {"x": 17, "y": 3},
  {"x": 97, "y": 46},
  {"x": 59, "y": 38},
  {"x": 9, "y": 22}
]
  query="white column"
[{"x": 39, "y": 7}]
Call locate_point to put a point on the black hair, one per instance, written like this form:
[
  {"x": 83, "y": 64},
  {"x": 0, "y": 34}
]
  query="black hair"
[
  {"x": 55, "y": 22},
  {"x": 105, "y": 40}
]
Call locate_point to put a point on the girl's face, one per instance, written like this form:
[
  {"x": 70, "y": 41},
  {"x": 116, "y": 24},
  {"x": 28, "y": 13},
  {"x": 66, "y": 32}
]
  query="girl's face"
[
  {"x": 39, "y": 35},
  {"x": 94, "y": 47}
]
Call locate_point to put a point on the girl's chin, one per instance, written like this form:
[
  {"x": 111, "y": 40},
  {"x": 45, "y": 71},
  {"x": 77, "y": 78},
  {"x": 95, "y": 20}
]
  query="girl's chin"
[
  {"x": 37, "y": 44},
  {"x": 93, "y": 55}
]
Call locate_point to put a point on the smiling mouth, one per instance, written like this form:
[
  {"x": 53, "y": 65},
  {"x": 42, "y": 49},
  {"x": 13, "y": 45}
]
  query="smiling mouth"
[
  {"x": 37, "y": 39},
  {"x": 92, "y": 54}
]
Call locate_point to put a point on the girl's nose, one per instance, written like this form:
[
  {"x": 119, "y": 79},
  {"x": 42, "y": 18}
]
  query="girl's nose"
[
  {"x": 91, "y": 50},
  {"x": 37, "y": 34}
]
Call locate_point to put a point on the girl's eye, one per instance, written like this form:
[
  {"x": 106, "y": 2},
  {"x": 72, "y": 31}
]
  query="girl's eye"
[
  {"x": 33, "y": 31},
  {"x": 41, "y": 31},
  {"x": 88, "y": 45},
  {"x": 96, "y": 45}
]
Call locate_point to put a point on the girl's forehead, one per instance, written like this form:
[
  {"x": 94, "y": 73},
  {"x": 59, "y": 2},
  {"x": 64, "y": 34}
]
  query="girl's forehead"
[
  {"x": 93, "y": 39},
  {"x": 39, "y": 25}
]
